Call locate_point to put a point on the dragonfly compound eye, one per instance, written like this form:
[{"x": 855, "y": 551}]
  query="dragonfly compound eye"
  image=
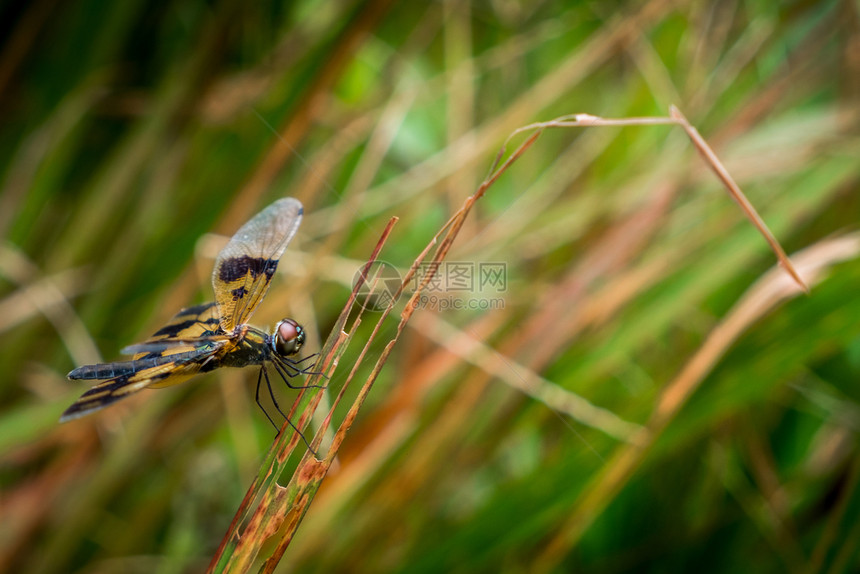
[{"x": 289, "y": 337}]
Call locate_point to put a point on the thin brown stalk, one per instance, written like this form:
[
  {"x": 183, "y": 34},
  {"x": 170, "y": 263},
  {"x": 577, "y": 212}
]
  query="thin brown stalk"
[
  {"x": 252, "y": 526},
  {"x": 719, "y": 169},
  {"x": 677, "y": 118}
]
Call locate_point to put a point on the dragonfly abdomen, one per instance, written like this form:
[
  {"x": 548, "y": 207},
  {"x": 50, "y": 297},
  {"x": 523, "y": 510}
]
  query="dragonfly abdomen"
[{"x": 125, "y": 368}]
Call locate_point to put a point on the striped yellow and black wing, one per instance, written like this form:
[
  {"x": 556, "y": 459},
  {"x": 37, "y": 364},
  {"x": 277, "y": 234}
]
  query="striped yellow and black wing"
[
  {"x": 245, "y": 267},
  {"x": 128, "y": 377},
  {"x": 174, "y": 353},
  {"x": 190, "y": 324},
  {"x": 192, "y": 330}
]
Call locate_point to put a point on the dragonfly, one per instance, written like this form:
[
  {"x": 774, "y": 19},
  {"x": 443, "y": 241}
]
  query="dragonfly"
[{"x": 206, "y": 337}]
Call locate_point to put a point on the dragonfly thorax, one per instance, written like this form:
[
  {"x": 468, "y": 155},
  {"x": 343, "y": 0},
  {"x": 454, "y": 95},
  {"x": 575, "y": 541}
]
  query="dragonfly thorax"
[{"x": 288, "y": 338}]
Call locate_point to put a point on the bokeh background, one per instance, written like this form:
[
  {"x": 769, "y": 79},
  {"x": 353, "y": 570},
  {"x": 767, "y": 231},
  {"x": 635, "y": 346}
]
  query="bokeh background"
[{"x": 650, "y": 396}]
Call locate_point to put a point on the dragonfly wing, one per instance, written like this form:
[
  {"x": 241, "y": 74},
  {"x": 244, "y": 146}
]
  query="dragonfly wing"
[
  {"x": 190, "y": 333},
  {"x": 134, "y": 376},
  {"x": 192, "y": 323},
  {"x": 247, "y": 263},
  {"x": 191, "y": 330}
]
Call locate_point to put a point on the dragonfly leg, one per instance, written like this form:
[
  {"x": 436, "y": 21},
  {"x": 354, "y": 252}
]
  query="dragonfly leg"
[
  {"x": 257, "y": 397},
  {"x": 277, "y": 406},
  {"x": 283, "y": 367}
]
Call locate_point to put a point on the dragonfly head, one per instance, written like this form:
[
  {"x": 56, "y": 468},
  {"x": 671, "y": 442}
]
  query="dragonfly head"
[{"x": 289, "y": 338}]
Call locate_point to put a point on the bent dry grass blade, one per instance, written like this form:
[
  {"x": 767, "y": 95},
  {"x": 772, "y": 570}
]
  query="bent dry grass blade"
[
  {"x": 270, "y": 514},
  {"x": 676, "y": 118}
]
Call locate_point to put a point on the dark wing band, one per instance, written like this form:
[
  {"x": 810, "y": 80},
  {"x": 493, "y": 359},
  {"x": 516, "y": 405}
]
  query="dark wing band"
[
  {"x": 134, "y": 376},
  {"x": 245, "y": 267}
]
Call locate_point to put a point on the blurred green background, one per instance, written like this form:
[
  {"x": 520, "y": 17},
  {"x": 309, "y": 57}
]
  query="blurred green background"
[{"x": 135, "y": 135}]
